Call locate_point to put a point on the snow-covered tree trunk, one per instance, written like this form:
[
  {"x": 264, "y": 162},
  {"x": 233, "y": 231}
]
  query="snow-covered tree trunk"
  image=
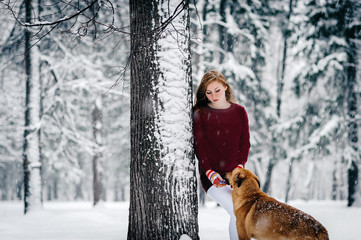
[
  {"x": 286, "y": 32},
  {"x": 98, "y": 172},
  {"x": 280, "y": 84},
  {"x": 352, "y": 100},
  {"x": 98, "y": 189},
  {"x": 163, "y": 193},
  {"x": 31, "y": 155},
  {"x": 226, "y": 39}
]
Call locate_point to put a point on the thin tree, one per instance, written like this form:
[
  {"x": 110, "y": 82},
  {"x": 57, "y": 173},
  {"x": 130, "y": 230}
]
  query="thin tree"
[
  {"x": 98, "y": 189},
  {"x": 163, "y": 194},
  {"x": 286, "y": 33},
  {"x": 351, "y": 22},
  {"x": 31, "y": 153},
  {"x": 97, "y": 119}
]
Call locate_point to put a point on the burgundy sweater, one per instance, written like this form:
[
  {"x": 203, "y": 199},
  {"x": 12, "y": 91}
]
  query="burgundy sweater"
[{"x": 221, "y": 140}]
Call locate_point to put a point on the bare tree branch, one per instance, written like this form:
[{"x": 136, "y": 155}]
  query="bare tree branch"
[
  {"x": 178, "y": 10},
  {"x": 40, "y": 23}
]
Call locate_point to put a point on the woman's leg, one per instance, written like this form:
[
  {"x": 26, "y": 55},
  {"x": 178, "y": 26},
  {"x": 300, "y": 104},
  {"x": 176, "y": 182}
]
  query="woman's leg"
[{"x": 223, "y": 196}]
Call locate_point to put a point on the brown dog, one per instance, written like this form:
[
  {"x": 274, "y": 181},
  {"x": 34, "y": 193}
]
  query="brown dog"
[{"x": 262, "y": 217}]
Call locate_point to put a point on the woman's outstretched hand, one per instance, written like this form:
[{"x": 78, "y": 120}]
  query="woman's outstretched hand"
[{"x": 216, "y": 179}]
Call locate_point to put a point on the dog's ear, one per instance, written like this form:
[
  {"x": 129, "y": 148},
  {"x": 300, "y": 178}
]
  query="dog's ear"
[
  {"x": 259, "y": 184},
  {"x": 239, "y": 178}
]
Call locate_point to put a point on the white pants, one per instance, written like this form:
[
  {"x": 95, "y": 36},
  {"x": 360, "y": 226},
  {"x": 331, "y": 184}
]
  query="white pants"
[{"x": 223, "y": 196}]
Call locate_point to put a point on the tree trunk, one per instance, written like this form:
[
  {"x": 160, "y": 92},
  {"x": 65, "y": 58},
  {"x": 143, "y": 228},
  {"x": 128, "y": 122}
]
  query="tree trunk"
[
  {"x": 286, "y": 34},
  {"x": 289, "y": 180},
  {"x": 31, "y": 155},
  {"x": 222, "y": 31},
  {"x": 79, "y": 191},
  {"x": 271, "y": 164},
  {"x": 335, "y": 187},
  {"x": 49, "y": 198},
  {"x": 352, "y": 183},
  {"x": 280, "y": 83},
  {"x": 3, "y": 185},
  {"x": 351, "y": 70},
  {"x": 204, "y": 17},
  {"x": 122, "y": 193},
  {"x": 225, "y": 39},
  {"x": 98, "y": 190},
  {"x": 163, "y": 192},
  {"x": 55, "y": 188},
  {"x": 267, "y": 182}
]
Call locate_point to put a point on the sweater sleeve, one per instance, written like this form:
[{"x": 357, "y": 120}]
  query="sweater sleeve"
[
  {"x": 244, "y": 143},
  {"x": 200, "y": 144}
]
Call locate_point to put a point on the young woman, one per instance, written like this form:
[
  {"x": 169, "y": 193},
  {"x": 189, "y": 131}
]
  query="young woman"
[{"x": 221, "y": 139}]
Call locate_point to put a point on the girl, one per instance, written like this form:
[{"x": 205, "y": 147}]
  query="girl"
[{"x": 221, "y": 139}]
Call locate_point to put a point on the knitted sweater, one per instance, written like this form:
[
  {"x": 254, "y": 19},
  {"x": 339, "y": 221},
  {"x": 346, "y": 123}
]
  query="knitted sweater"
[{"x": 221, "y": 140}]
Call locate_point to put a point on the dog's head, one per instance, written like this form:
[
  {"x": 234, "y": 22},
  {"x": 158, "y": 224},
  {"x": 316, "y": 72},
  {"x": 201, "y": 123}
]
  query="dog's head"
[{"x": 239, "y": 175}]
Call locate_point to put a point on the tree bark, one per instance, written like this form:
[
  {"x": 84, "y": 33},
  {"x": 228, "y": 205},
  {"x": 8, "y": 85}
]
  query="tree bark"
[
  {"x": 286, "y": 34},
  {"x": 280, "y": 83},
  {"x": 352, "y": 106},
  {"x": 225, "y": 39},
  {"x": 163, "y": 193},
  {"x": 352, "y": 183},
  {"x": 31, "y": 155},
  {"x": 267, "y": 182},
  {"x": 98, "y": 189},
  {"x": 289, "y": 180},
  {"x": 222, "y": 31}
]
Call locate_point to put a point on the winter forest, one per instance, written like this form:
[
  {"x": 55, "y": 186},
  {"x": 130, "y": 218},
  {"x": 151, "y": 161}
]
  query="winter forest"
[{"x": 96, "y": 99}]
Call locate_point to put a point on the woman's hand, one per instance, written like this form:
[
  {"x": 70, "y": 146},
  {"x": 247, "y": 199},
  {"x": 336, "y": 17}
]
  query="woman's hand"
[
  {"x": 216, "y": 179},
  {"x": 240, "y": 166}
]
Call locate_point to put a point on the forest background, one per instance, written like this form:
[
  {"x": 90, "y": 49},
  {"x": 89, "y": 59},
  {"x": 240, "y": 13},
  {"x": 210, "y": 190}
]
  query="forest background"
[{"x": 294, "y": 66}]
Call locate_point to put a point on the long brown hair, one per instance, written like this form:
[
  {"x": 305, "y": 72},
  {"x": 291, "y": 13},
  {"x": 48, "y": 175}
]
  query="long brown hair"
[{"x": 201, "y": 99}]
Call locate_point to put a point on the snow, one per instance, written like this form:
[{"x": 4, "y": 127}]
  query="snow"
[
  {"x": 79, "y": 220},
  {"x": 173, "y": 102},
  {"x": 185, "y": 237}
]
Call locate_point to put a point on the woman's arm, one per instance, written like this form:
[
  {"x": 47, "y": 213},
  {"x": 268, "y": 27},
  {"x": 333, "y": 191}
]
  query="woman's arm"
[
  {"x": 200, "y": 144},
  {"x": 244, "y": 143}
]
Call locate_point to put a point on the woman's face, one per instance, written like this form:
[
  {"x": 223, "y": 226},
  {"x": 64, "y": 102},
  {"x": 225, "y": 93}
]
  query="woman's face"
[{"x": 216, "y": 93}]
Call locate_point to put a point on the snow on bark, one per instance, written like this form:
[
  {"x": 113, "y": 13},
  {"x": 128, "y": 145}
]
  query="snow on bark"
[
  {"x": 163, "y": 196},
  {"x": 98, "y": 189},
  {"x": 174, "y": 98},
  {"x": 174, "y": 101},
  {"x": 185, "y": 237},
  {"x": 32, "y": 164},
  {"x": 97, "y": 121},
  {"x": 31, "y": 151},
  {"x": 173, "y": 108}
]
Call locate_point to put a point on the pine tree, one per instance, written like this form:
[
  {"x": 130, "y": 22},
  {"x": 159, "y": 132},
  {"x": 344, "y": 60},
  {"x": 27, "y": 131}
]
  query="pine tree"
[
  {"x": 322, "y": 38},
  {"x": 12, "y": 89}
]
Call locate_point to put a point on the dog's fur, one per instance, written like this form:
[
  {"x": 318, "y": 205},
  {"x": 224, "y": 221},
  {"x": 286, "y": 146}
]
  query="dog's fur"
[{"x": 262, "y": 217}]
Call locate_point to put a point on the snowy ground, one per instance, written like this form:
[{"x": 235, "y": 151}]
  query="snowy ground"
[{"x": 78, "y": 220}]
